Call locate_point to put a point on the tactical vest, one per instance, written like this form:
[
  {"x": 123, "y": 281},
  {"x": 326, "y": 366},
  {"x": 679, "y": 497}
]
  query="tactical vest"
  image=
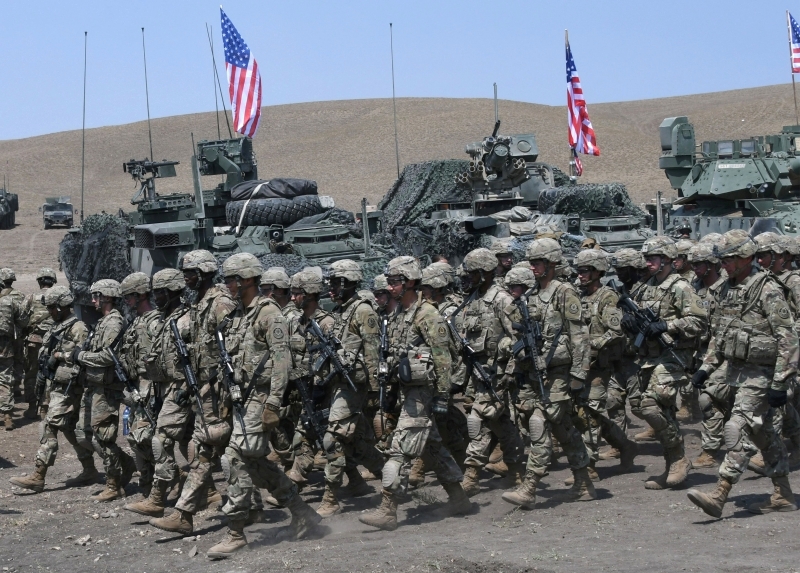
[
  {"x": 163, "y": 363},
  {"x": 592, "y": 307},
  {"x": 413, "y": 357},
  {"x": 106, "y": 332},
  {"x": 546, "y": 307},
  {"x": 482, "y": 327},
  {"x": 352, "y": 352},
  {"x": 252, "y": 355},
  {"x": 203, "y": 334},
  {"x": 660, "y": 299},
  {"x": 69, "y": 334}
]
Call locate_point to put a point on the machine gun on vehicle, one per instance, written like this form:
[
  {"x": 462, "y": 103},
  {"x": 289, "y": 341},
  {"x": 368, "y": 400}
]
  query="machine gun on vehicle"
[{"x": 145, "y": 172}]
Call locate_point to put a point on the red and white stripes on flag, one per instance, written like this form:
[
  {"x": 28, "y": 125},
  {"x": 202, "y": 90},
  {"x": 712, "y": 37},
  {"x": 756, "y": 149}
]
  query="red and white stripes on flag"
[
  {"x": 581, "y": 133},
  {"x": 244, "y": 80},
  {"x": 794, "y": 42}
]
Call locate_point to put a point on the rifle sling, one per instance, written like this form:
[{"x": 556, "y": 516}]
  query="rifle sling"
[
  {"x": 256, "y": 375},
  {"x": 553, "y": 346}
]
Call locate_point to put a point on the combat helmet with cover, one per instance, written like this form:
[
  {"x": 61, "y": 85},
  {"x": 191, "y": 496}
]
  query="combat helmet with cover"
[
  {"x": 408, "y": 267},
  {"x": 200, "y": 260},
  {"x": 169, "y": 279},
  {"x": 107, "y": 287},
  {"x": 702, "y": 253},
  {"x": 277, "y": 277},
  {"x": 547, "y": 249},
  {"x": 501, "y": 247},
  {"x": 138, "y": 283},
  {"x": 660, "y": 245},
  {"x": 244, "y": 265},
  {"x": 790, "y": 245},
  {"x": 480, "y": 259},
  {"x": 769, "y": 242},
  {"x": 736, "y": 243},
  {"x": 46, "y": 273},
  {"x": 519, "y": 276},
  {"x": 434, "y": 276},
  {"x": 379, "y": 283},
  {"x": 683, "y": 246},
  {"x": 58, "y": 296},
  {"x": 591, "y": 258},
  {"x": 346, "y": 269},
  {"x": 7, "y": 274},
  {"x": 309, "y": 280},
  {"x": 711, "y": 238},
  {"x": 628, "y": 257}
]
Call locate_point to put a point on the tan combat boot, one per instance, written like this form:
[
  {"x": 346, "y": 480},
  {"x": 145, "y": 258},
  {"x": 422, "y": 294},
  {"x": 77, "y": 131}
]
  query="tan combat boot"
[
  {"x": 704, "y": 460},
  {"x": 416, "y": 477},
  {"x": 582, "y": 488},
  {"x": 356, "y": 486},
  {"x": 33, "y": 482},
  {"x": 457, "y": 503},
  {"x": 659, "y": 482},
  {"x": 649, "y": 435},
  {"x": 296, "y": 474},
  {"x": 8, "y": 422},
  {"x": 471, "y": 481},
  {"x": 112, "y": 491},
  {"x": 178, "y": 521},
  {"x": 711, "y": 503},
  {"x": 593, "y": 475},
  {"x": 525, "y": 495},
  {"x": 757, "y": 464},
  {"x": 153, "y": 505},
  {"x": 329, "y": 506},
  {"x": 514, "y": 477},
  {"x": 679, "y": 466},
  {"x": 304, "y": 519},
  {"x": 369, "y": 476},
  {"x": 233, "y": 543},
  {"x": 499, "y": 468},
  {"x": 496, "y": 455},
  {"x": 782, "y": 498},
  {"x": 88, "y": 476},
  {"x": 385, "y": 517},
  {"x": 320, "y": 461}
]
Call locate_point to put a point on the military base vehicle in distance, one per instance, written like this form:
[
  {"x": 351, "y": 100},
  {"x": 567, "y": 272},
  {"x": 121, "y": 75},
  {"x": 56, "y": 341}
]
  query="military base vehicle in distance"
[
  {"x": 57, "y": 211},
  {"x": 730, "y": 183},
  {"x": 9, "y": 205}
]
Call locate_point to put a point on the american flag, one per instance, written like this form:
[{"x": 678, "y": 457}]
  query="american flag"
[
  {"x": 577, "y": 162},
  {"x": 244, "y": 81},
  {"x": 581, "y": 133},
  {"x": 794, "y": 40}
]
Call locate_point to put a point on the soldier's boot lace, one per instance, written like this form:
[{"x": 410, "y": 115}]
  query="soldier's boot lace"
[
  {"x": 704, "y": 460},
  {"x": 330, "y": 505},
  {"x": 8, "y": 422},
  {"x": 649, "y": 435},
  {"x": 31, "y": 413},
  {"x": 179, "y": 521},
  {"x": 128, "y": 468},
  {"x": 679, "y": 466},
  {"x": 112, "y": 491},
  {"x": 711, "y": 503},
  {"x": 385, "y": 516},
  {"x": 582, "y": 488},
  {"x": 782, "y": 499},
  {"x": 88, "y": 476},
  {"x": 525, "y": 495},
  {"x": 33, "y": 482},
  {"x": 457, "y": 501},
  {"x": 356, "y": 486},
  {"x": 416, "y": 477},
  {"x": 593, "y": 475},
  {"x": 153, "y": 505},
  {"x": 659, "y": 482},
  {"x": 471, "y": 483},
  {"x": 232, "y": 543},
  {"x": 304, "y": 519}
]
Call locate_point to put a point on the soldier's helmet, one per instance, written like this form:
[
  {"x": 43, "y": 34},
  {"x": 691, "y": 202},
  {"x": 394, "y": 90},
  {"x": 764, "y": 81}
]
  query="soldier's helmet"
[
  {"x": 346, "y": 269},
  {"x": 702, "y": 253},
  {"x": 519, "y": 276},
  {"x": 660, "y": 245},
  {"x": 200, "y": 260},
  {"x": 683, "y": 246},
  {"x": 736, "y": 243},
  {"x": 591, "y": 258},
  {"x": 547, "y": 249},
  {"x": 134, "y": 283},
  {"x": 277, "y": 277},
  {"x": 769, "y": 242},
  {"x": 790, "y": 245},
  {"x": 379, "y": 283},
  {"x": 46, "y": 273},
  {"x": 244, "y": 265},
  {"x": 449, "y": 271},
  {"x": 106, "y": 287},
  {"x": 711, "y": 238},
  {"x": 407, "y": 266},
  {"x": 628, "y": 258},
  {"x": 170, "y": 279},
  {"x": 58, "y": 296},
  {"x": 434, "y": 277},
  {"x": 481, "y": 259},
  {"x": 7, "y": 274},
  {"x": 309, "y": 280},
  {"x": 501, "y": 247}
]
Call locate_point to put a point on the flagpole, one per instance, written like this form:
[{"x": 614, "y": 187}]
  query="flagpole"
[
  {"x": 791, "y": 63},
  {"x": 83, "y": 125},
  {"x": 571, "y": 149}
]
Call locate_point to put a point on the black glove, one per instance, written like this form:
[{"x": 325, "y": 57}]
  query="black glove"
[
  {"x": 440, "y": 405},
  {"x": 182, "y": 398},
  {"x": 75, "y": 354},
  {"x": 776, "y": 398},
  {"x": 575, "y": 387},
  {"x": 656, "y": 329},
  {"x": 629, "y": 322},
  {"x": 699, "y": 378},
  {"x": 52, "y": 363}
]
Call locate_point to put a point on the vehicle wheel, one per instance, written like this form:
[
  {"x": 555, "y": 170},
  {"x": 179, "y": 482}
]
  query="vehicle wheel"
[
  {"x": 265, "y": 212},
  {"x": 46, "y": 226}
]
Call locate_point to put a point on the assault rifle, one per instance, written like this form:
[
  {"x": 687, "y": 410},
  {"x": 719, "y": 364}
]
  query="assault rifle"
[
  {"x": 191, "y": 379},
  {"x": 45, "y": 373},
  {"x": 531, "y": 342},
  {"x": 313, "y": 420},
  {"x": 327, "y": 348},
  {"x": 122, "y": 376},
  {"x": 82, "y": 348},
  {"x": 234, "y": 391}
]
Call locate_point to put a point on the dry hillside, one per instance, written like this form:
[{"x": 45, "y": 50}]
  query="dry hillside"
[{"x": 348, "y": 148}]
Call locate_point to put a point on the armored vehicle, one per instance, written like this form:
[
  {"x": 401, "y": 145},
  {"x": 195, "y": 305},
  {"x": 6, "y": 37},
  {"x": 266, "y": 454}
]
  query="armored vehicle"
[
  {"x": 57, "y": 211},
  {"x": 9, "y": 205},
  {"x": 730, "y": 183}
]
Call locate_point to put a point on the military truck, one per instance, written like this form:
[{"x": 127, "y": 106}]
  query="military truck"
[
  {"x": 729, "y": 183},
  {"x": 9, "y": 205},
  {"x": 57, "y": 211}
]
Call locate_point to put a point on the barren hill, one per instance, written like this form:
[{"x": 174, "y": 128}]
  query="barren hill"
[{"x": 348, "y": 148}]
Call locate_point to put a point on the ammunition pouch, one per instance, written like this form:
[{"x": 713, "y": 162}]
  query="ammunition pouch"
[
  {"x": 416, "y": 368},
  {"x": 742, "y": 345}
]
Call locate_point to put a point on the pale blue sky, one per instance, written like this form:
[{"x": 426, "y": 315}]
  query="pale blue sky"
[{"x": 311, "y": 50}]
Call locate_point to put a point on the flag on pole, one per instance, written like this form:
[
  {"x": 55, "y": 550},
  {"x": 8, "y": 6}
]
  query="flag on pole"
[
  {"x": 244, "y": 80},
  {"x": 576, "y": 161},
  {"x": 581, "y": 133},
  {"x": 794, "y": 40}
]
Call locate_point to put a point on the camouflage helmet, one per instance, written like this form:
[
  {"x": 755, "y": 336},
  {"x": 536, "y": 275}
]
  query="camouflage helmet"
[
  {"x": 501, "y": 247},
  {"x": 134, "y": 283},
  {"x": 449, "y": 271},
  {"x": 736, "y": 243},
  {"x": 628, "y": 258},
  {"x": 346, "y": 269},
  {"x": 244, "y": 265},
  {"x": 790, "y": 245},
  {"x": 711, "y": 238},
  {"x": 702, "y": 253},
  {"x": 379, "y": 283},
  {"x": 58, "y": 296},
  {"x": 591, "y": 258},
  {"x": 200, "y": 260},
  {"x": 434, "y": 277},
  {"x": 660, "y": 245},
  {"x": 46, "y": 273},
  {"x": 547, "y": 249},
  {"x": 480, "y": 260},
  {"x": 277, "y": 277},
  {"x": 309, "y": 280},
  {"x": 683, "y": 246},
  {"x": 769, "y": 241},
  {"x": 106, "y": 287},
  {"x": 170, "y": 279},
  {"x": 519, "y": 276},
  {"x": 407, "y": 266},
  {"x": 7, "y": 274}
]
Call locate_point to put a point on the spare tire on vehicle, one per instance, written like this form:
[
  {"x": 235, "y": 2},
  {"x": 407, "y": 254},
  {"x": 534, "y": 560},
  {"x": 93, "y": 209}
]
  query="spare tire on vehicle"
[
  {"x": 265, "y": 212},
  {"x": 278, "y": 188}
]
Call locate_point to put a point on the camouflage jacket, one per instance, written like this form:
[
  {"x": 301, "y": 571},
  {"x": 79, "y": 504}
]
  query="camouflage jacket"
[
  {"x": 356, "y": 326},
  {"x": 689, "y": 275},
  {"x": 38, "y": 319},
  {"x": 754, "y": 327},
  {"x": 163, "y": 365},
  {"x": 301, "y": 339},
  {"x": 790, "y": 280},
  {"x": 709, "y": 300},
  {"x": 13, "y": 319},
  {"x": 447, "y": 308},
  {"x": 603, "y": 319},
  {"x": 205, "y": 317},
  {"x": 98, "y": 366},
  {"x": 69, "y": 334},
  {"x": 136, "y": 346}
]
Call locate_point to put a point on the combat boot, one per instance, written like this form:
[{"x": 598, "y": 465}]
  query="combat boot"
[
  {"x": 593, "y": 475},
  {"x": 304, "y": 519},
  {"x": 782, "y": 499},
  {"x": 757, "y": 464},
  {"x": 233, "y": 543},
  {"x": 212, "y": 496},
  {"x": 153, "y": 505},
  {"x": 514, "y": 477},
  {"x": 31, "y": 413},
  {"x": 33, "y": 482},
  {"x": 649, "y": 435},
  {"x": 356, "y": 486},
  {"x": 679, "y": 466},
  {"x": 659, "y": 482},
  {"x": 369, "y": 476},
  {"x": 178, "y": 521},
  {"x": 704, "y": 460},
  {"x": 498, "y": 468},
  {"x": 496, "y": 455},
  {"x": 112, "y": 491},
  {"x": 8, "y": 422},
  {"x": 471, "y": 481},
  {"x": 416, "y": 477},
  {"x": 128, "y": 468},
  {"x": 457, "y": 503},
  {"x": 320, "y": 460},
  {"x": 385, "y": 517},
  {"x": 525, "y": 495},
  {"x": 611, "y": 453},
  {"x": 582, "y": 488},
  {"x": 329, "y": 506},
  {"x": 296, "y": 474},
  {"x": 88, "y": 476},
  {"x": 711, "y": 503}
]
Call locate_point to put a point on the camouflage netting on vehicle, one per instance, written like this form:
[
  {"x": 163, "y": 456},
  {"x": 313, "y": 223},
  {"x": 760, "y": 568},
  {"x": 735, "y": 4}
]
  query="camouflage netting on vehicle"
[
  {"x": 570, "y": 244},
  {"x": 595, "y": 200},
  {"x": 559, "y": 177},
  {"x": 98, "y": 250},
  {"x": 434, "y": 237},
  {"x": 335, "y": 216}
]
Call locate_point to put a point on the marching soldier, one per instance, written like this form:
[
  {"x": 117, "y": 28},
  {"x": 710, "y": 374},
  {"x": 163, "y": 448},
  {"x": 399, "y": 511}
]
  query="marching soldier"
[
  {"x": 37, "y": 323},
  {"x": 12, "y": 344}
]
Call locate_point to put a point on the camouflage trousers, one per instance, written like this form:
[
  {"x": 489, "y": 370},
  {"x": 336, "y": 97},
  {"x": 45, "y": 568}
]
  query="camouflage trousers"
[
  {"x": 716, "y": 403},
  {"x": 548, "y": 421},
  {"x": 6, "y": 385},
  {"x": 105, "y": 425},
  {"x": 140, "y": 440},
  {"x": 455, "y": 434},
  {"x": 19, "y": 361},
  {"x": 62, "y": 416},
  {"x": 83, "y": 426},
  {"x": 624, "y": 386},
  {"x": 31, "y": 370},
  {"x": 416, "y": 434},
  {"x": 661, "y": 379},
  {"x": 787, "y": 418},
  {"x": 172, "y": 422},
  {"x": 590, "y": 417},
  {"x": 346, "y": 446},
  {"x": 488, "y": 419},
  {"x": 281, "y": 440}
]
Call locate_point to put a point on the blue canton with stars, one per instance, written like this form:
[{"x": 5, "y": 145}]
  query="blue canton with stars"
[
  {"x": 236, "y": 51},
  {"x": 571, "y": 69},
  {"x": 795, "y": 30}
]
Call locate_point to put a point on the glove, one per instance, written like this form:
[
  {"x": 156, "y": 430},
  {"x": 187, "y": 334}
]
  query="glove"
[
  {"x": 456, "y": 389},
  {"x": 776, "y": 398},
  {"x": 629, "y": 322},
  {"x": 52, "y": 362},
  {"x": 656, "y": 329},
  {"x": 440, "y": 405},
  {"x": 575, "y": 387},
  {"x": 699, "y": 379},
  {"x": 270, "y": 418},
  {"x": 76, "y": 355},
  {"x": 182, "y": 398}
]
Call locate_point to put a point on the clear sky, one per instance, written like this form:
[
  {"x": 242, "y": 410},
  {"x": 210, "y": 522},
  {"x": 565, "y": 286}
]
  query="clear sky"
[{"x": 311, "y": 50}]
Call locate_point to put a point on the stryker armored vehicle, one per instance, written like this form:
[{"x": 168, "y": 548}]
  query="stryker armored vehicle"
[
  {"x": 57, "y": 211},
  {"x": 9, "y": 205},
  {"x": 730, "y": 183}
]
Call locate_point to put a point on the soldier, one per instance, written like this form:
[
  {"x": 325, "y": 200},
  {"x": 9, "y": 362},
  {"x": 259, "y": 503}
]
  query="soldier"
[
  {"x": 483, "y": 329},
  {"x": 421, "y": 366},
  {"x": 7, "y": 278},
  {"x": 501, "y": 248},
  {"x": 663, "y": 370},
  {"x": 681, "y": 262},
  {"x": 690, "y": 407},
  {"x": 65, "y": 336},
  {"x": 275, "y": 284},
  {"x": 37, "y": 323},
  {"x": 258, "y": 340},
  {"x": 11, "y": 349},
  {"x": 755, "y": 347},
  {"x": 566, "y": 353}
]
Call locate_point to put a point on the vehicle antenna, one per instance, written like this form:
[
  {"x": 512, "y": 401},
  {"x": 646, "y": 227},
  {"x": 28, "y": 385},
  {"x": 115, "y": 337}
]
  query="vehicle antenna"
[
  {"x": 219, "y": 85},
  {"x": 496, "y": 115},
  {"x": 394, "y": 102},
  {"x": 83, "y": 127},
  {"x": 147, "y": 98}
]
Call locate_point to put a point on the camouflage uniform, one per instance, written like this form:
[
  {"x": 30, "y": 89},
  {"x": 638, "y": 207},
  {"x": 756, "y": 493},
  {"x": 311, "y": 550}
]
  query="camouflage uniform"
[
  {"x": 20, "y": 304},
  {"x": 689, "y": 395},
  {"x": 13, "y": 307},
  {"x": 37, "y": 323}
]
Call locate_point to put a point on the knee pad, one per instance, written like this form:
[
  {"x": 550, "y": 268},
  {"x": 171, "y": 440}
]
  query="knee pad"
[
  {"x": 706, "y": 405},
  {"x": 391, "y": 475},
  {"x": 733, "y": 436},
  {"x": 473, "y": 425},
  {"x": 191, "y": 452},
  {"x": 98, "y": 448},
  {"x": 331, "y": 446},
  {"x": 158, "y": 444},
  {"x": 226, "y": 467},
  {"x": 536, "y": 427},
  {"x": 47, "y": 455}
]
